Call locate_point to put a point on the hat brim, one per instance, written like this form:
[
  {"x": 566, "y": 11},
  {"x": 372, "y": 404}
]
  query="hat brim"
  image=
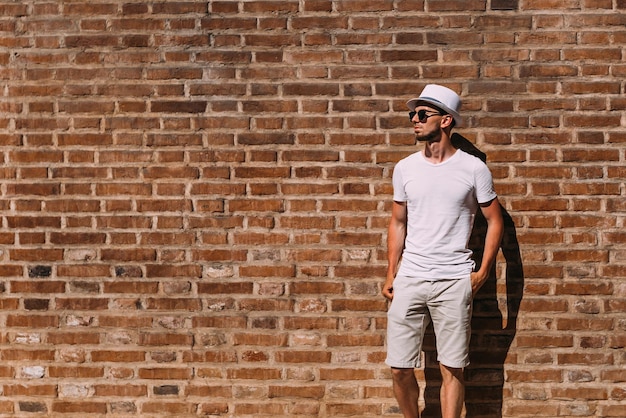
[{"x": 413, "y": 103}]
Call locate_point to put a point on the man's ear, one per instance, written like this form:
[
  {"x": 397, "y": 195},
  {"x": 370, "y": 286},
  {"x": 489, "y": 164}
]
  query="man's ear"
[{"x": 446, "y": 121}]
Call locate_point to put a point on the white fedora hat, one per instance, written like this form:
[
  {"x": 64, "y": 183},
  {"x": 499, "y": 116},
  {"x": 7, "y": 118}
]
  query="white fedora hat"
[{"x": 440, "y": 97}]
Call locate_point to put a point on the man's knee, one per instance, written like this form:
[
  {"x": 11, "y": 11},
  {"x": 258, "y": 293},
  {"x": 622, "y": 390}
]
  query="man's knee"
[
  {"x": 400, "y": 375},
  {"x": 448, "y": 372}
]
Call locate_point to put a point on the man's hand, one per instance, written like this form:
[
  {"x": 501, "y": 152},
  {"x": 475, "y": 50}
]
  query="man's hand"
[
  {"x": 478, "y": 280},
  {"x": 388, "y": 288}
]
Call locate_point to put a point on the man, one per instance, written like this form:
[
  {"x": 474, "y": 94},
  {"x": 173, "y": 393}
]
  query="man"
[{"x": 437, "y": 192}]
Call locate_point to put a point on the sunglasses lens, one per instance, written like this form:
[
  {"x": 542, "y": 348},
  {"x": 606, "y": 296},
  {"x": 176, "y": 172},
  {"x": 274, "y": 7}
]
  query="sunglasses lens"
[{"x": 421, "y": 116}]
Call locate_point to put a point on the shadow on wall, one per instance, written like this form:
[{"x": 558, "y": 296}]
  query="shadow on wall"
[{"x": 492, "y": 332}]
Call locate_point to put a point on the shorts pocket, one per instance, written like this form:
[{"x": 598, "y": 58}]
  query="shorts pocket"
[{"x": 470, "y": 293}]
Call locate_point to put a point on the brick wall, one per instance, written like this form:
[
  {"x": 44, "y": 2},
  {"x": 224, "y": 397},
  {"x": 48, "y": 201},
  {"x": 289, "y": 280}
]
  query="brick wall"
[{"x": 195, "y": 199}]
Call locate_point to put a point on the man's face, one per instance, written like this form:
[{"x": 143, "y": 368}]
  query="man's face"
[{"x": 427, "y": 124}]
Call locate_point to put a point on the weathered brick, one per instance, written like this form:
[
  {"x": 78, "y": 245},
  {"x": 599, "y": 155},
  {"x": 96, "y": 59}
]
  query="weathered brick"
[
  {"x": 209, "y": 183},
  {"x": 66, "y": 407}
]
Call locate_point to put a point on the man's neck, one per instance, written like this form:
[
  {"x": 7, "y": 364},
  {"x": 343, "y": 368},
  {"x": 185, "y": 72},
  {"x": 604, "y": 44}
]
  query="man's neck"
[{"x": 439, "y": 151}]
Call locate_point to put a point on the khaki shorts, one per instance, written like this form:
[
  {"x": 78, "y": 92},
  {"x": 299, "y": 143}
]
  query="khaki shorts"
[{"x": 416, "y": 302}]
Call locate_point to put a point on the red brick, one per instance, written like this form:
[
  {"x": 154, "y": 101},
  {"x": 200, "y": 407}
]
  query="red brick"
[
  {"x": 30, "y": 390},
  {"x": 46, "y": 287},
  {"x": 75, "y": 338},
  {"x": 358, "y": 305},
  {"x": 544, "y": 375},
  {"x": 613, "y": 410},
  {"x": 82, "y": 304},
  {"x": 267, "y": 271},
  {"x": 31, "y": 355},
  {"x": 311, "y": 323},
  {"x": 210, "y": 357},
  {"x": 582, "y": 358},
  {"x": 355, "y": 341},
  {"x": 73, "y": 371},
  {"x": 311, "y": 392},
  {"x": 121, "y": 390},
  {"x": 117, "y": 356},
  {"x": 66, "y": 407},
  {"x": 293, "y": 356},
  {"x": 543, "y": 305},
  {"x": 253, "y": 373},
  {"x": 163, "y": 340},
  {"x": 543, "y": 341},
  {"x": 169, "y": 304},
  {"x": 346, "y": 374}
]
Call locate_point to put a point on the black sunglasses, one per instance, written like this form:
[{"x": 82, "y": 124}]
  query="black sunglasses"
[{"x": 422, "y": 115}]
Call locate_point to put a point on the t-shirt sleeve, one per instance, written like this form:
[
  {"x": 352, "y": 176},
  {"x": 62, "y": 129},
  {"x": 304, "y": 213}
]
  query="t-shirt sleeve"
[
  {"x": 485, "y": 192},
  {"x": 399, "y": 194}
]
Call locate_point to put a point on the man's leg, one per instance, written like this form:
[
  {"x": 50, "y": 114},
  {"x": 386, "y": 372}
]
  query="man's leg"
[
  {"x": 407, "y": 319},
  {"x": 452, "y": 391},
  {"x": 451, "y": 312},
  {"x": 407, "y": 391}
]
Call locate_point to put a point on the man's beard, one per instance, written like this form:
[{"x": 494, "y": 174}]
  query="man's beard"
[{"x": 430, "y": 137}]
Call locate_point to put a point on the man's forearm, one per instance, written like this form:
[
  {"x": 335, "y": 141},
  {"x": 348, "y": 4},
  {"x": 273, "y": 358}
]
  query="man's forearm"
[
  {"x": 395, "y": 245},
  {"x": 492, "y": 245},
  {"x": 495, "y": 231}
]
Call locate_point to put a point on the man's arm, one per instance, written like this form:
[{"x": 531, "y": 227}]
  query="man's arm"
[
  {"x": 495, "y": 229},
  {"x": 395, "y": 244}
]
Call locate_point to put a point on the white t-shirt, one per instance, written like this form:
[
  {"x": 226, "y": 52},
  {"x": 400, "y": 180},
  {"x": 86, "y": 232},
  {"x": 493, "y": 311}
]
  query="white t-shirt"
[{"x": 442, "y": 200}]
